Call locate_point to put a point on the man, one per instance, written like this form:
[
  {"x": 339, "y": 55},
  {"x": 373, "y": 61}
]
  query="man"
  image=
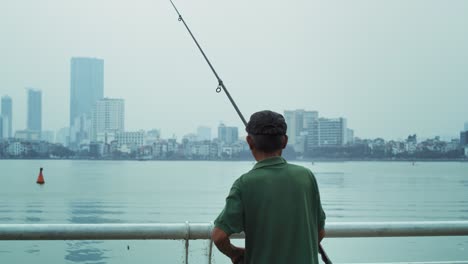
[{"x": 276, "y": 204}]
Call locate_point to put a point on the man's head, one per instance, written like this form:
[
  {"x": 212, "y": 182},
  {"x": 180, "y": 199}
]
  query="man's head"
[{"x": 266, "y": 132}]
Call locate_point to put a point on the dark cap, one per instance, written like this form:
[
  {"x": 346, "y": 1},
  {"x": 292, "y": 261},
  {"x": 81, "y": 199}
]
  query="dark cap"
[{"x": 266, "y": 123}]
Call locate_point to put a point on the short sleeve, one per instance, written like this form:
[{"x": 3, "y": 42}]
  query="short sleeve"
[
  {"x": 321, "y": 215},
  {"x": 319, "y": 210},
  {"x": 231, "y": 219}
]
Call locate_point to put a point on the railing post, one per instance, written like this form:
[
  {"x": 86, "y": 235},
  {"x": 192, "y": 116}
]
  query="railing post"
[
  {"x": 187, "y": 238},
  {"x": 210, "y": 247}
]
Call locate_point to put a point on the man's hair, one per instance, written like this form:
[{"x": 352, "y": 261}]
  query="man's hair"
[
  {"x": 268, "y": 143},
  {"x": 267, "y": 130}
]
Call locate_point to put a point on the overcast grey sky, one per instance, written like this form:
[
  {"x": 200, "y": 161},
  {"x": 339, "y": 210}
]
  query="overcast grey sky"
[{"x": 390, "y": 67}]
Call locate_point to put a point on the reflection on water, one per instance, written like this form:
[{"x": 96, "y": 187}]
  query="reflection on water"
[
  {"x": 33, "y": 212},
  {"x": 30, "y": 219},
  {"x": 86, "y": 251},
  {"x": 333, "y": 179},
  {"x": 33, "y": 249},
  {"x": 90, "y": 212}
]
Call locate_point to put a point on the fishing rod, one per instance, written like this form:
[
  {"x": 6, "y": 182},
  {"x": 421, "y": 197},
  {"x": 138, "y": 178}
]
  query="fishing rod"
[
  {"x": 220, "y": 82},
  {"x": 220, "y": 87},
  {"x": 324, "y": 255}
]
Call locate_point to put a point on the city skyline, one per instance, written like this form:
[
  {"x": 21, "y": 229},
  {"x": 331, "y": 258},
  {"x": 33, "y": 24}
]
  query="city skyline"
[
  {"x": 388, "y": 77},
  {"x": 36, "y": 96},
  {"x": 148, "y": 145}
]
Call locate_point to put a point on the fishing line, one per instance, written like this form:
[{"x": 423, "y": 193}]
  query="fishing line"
[{"x": 221, "y": 85}]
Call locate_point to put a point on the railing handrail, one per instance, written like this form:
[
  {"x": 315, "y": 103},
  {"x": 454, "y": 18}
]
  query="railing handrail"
[{"x": 192, "y": 231}]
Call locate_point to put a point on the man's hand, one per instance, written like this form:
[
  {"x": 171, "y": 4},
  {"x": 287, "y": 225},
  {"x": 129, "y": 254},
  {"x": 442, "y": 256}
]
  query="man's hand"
[
  {"x": 222, "y": 242},
  {"x": 321, "y": 234},
  {"x": 238, "y": 254}
]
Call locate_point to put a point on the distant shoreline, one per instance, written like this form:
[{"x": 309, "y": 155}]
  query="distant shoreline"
[{"x": 238, "y": 160}]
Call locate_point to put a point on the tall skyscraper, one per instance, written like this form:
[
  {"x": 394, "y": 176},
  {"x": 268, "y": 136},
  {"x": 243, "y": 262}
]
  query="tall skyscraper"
[
  {"x": 86, "y": 88},
  {"x": 34, "y": 120},
  {"x": 86, "y": 85},
  {"x": 227, "y": 134},
  {"x": 466, "y": 126},
  {"x": 107, "y": 117},
  {"x": 7, "y": 116}
]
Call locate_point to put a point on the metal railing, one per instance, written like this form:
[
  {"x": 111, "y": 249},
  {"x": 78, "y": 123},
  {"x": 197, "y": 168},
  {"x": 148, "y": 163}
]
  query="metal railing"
[{"x": 193, "y": 231}]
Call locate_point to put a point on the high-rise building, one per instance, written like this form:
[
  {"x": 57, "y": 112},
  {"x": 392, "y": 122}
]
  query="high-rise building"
[
  {"x": 86, "y": 88},
  {"x": 107, "y": 116},
  {"x": 350, "y": 136},
  {"x": 5, "y": 128},
  {"x": 298, "y": 122},
  {"x": 466, "y": 126},
  {"x": 293, "y": 121},
  {"x": 327, "y": 132},
  {"x": 227, "y": 134},
  {"x": 464, "y": 138},
  {"x": 203, "y": 133},
  {"x": 332, "y": 132},
  {"x": 80, "y": 131},
  {"x": 309, "y": 117},
  {"x": 7, "y": 115},
  {"x": 34, "y": 120},
  {"x": 86, "y": 85}
]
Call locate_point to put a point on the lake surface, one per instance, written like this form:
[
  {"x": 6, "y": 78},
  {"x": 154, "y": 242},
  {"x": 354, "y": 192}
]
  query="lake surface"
[{"x": 179, "y": 191}]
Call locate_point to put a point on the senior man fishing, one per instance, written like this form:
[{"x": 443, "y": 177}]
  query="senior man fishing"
[{"x": 276, "y": 204}]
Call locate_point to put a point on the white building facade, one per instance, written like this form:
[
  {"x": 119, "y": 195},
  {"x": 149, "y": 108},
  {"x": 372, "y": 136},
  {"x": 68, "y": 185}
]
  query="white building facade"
[
  {"x": 327, "y": 132},
  {"x": 131, "y": 139},
  {"x": 107, "y": 116},
  {"x": 299, "y": 123}
]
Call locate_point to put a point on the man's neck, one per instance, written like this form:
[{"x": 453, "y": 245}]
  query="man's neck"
[{"x": 259, "y": 156}]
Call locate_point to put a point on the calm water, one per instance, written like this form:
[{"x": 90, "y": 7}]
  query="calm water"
[{"x": 151, "y": 192}]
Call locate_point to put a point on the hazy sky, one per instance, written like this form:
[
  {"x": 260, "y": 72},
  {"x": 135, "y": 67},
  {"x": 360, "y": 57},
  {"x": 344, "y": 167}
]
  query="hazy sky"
[{"x": 390, "y": 67}]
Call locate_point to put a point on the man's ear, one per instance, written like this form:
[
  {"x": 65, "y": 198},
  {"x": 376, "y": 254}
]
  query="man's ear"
[
  {"x": 250, "y": 141},
  {"x": 285, "y": 141}
]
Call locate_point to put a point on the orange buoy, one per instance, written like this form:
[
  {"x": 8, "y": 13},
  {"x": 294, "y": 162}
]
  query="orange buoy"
[{"x": 40, "y": 178}]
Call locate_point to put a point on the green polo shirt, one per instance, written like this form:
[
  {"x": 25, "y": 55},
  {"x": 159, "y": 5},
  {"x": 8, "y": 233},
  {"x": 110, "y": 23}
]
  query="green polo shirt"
[{"x": 277, "y": 205}]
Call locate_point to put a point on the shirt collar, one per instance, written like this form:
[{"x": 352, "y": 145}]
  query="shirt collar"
[{"x": 269, "y": 162}]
